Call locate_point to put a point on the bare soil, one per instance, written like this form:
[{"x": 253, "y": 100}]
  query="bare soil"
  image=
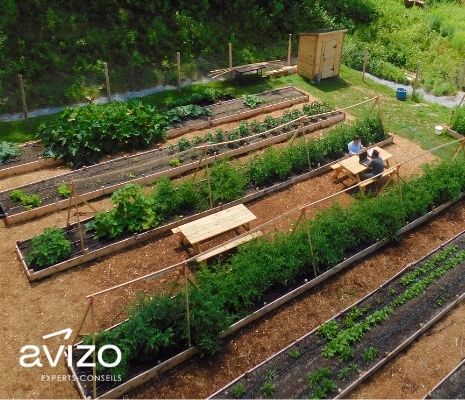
[{"x": 30, "y": 311}]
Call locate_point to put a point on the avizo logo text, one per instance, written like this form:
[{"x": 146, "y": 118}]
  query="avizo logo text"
[{"x": 30, "y": 353}]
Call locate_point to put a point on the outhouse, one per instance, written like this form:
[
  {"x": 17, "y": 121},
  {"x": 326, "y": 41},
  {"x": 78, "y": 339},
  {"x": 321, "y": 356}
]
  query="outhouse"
[{"x": 320, "y": 53}]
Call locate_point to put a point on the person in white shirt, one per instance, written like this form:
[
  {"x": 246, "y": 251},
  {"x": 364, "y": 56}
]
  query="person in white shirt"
[{"x": 355, "y": 146}]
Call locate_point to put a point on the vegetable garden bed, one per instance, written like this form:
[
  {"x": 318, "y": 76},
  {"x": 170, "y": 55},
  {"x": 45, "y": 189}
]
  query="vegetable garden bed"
[
  {"x": 236, "y": 110},
  {"x": 452, "y": 386},
  {"x": 171, "y": 356},
  {"x": 98, "y": 247},
  {"x": 334, "y": 358},
  {"x": 29, "y": 159},
  {"x": 104, "y": 178}
]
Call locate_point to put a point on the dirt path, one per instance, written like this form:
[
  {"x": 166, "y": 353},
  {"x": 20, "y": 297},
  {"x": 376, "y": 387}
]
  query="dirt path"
[
  {"x": 30, "y": 311},
  {"x": 413, "y": 373}
]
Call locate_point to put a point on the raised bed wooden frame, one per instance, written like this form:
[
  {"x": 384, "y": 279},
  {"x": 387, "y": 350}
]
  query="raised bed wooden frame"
[
  {"x": 151, "y": 373},
  {"x": 182, "y": 169},
  {"x": 145, "y": 236}
]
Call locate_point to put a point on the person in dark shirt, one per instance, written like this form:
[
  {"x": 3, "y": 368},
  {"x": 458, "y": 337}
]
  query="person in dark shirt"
[{"x": 375, "y": 166}]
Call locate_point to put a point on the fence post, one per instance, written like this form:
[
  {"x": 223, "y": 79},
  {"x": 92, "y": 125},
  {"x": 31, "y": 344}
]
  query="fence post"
[
  {"x": 23, "y": 96},
  {"x": 107, "y": 81},
  {"x": 415, "y": 81},
  {"x": 178, "y": 68},
  {"x": 289, "y": 49},
  {"x": 230, "y": 54},
  {"x": 365, "y": 60}
]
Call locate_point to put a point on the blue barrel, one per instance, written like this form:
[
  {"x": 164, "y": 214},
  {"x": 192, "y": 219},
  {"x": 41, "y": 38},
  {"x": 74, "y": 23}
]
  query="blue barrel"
[{"x": 401, "y": 94}]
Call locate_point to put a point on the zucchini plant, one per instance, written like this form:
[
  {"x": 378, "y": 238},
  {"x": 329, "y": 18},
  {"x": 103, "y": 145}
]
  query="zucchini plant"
[{"x": 8, "y": 151}]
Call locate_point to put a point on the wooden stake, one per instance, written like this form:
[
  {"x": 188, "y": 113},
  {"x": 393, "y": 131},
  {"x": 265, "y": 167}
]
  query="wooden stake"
[
  {"x": 365, "y": 60},
  {"x": 23, "y": 96},
  {"x": 70, "y": 204},
  {"x": 178, "y": 68},
  {"x": 188, "y": 317},
  {"x": 461, "y": 147},
  {"x": 306, "y": 145},
  {"x": 84, "y": 317},
  {"x": 209, "y": 186},
  {"x": 415, "y": 81},
  {"x": 289, "y": 50},
  {"x": 230, "y": 54},
  {"x": 94, "y": 355},
  {"x": 107, "y": 81},
  {"x": 204, "y": 153},
  {"x": 309, "y": 237}
]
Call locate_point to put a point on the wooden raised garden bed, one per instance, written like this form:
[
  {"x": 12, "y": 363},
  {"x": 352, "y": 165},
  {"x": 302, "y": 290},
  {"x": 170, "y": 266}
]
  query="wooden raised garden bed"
[
  {"x": 292, "y": 365},
  {"x": 30, "y": 159},
  {"x": 99, "y": 248},
  {"x": 452, "y": 386},
  {"x": 144, "y": 168},
  {"x": 146, "y": 372}
]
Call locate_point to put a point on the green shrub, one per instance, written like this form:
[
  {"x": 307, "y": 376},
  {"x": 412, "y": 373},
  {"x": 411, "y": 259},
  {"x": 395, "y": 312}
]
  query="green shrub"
[
  {"x": 238, "y": 391},
  {"x": 458, "y": 120},
  {"x": 48, "y": 248},
  {"x": 64, "y": 191},
  {"x": 175, "y": 163},
  {"x": 8, "y": 150},
  {"x": 226, "y": 182}
]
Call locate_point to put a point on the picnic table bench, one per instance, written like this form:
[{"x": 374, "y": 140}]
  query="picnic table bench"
[
  {"x": 352, "y": 169},
  {"x": 195, "y": 232},
  {"x": 258, "y": 68}
]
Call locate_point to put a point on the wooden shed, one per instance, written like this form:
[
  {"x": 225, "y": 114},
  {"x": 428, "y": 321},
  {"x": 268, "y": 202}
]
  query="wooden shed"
[{"x": 320, "y": 53}]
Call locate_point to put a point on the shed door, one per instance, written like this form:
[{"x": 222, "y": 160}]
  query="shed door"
[{"x": 328, "y": 58}]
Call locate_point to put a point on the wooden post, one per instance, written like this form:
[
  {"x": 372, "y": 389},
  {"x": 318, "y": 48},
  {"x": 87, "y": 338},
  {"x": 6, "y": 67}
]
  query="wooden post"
[
  {"x": 70, "y": 204},
  {"x": 306, "y": 145},
  {"x": 204, "y": 153},
  {"x": 188, "y": 316},
  {"x": 230, "y": 54},
  {"x": 23, "y": 96},
  {"x": 289, "y": 50},
  {"x": 84, "y": 317},
  {"x": 178, "y": 68},
  {"x": 415, "y": 81},
  {"x": 309, "y": 237},
  {"x": 209, "y": 186},
  {"x": 365, "y": 60},
  {"x": 94, "y": 355},
  {"x": 107, "y": 81}
]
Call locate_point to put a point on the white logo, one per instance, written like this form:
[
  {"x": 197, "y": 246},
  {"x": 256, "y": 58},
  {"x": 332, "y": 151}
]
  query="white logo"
[{"x": 30, "y": 354}]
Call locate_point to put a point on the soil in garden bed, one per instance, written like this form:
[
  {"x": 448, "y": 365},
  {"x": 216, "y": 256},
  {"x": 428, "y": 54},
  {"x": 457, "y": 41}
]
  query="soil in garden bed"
[
  {"x": 289, "y": 373},
  {"x": 125, "y": 169},
  {"x": 28, "y": 153},
  {"x": 452, "y": 388},
  {"x": 223, "y": 109}
]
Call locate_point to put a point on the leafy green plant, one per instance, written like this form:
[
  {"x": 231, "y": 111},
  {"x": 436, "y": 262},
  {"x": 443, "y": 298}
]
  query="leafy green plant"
[
  {"x": 184, "y": 144},
  {"x": 252, "y": 101},
  {"x": 182, "y": 113},
  {"x": 268, "y": 389},
  {"x": 48, "y": 248},
  {"x": 28, "y": 201},
  {"x": 8, "y": 151},
  {"x": 369, "y": 355},
  {"x": 294, "y": 353},
  {"x": 238, "y": 391},
  {"x": 320, "y": 384},
  {"x": 174, "y": 162},
  {"x": 345, "y": 372},
  {"x": 329, "y": 329},
  {"x": 227, "y": 183},
  {"x": 64, "y": 191}
]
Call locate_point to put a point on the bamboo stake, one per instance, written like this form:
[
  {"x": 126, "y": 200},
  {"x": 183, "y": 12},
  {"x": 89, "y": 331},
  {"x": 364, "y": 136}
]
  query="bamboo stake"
[
  {"x": 309, "y": 237},
  {"x": 70, "y": 204},
  {"x": 207, "y": 171},
  {"x": 84, "y": 317},
  {"x": 81, "y": 235},
  {"x": 306, "y": 145},
  {"x": 94, "y": 368},
  {"x": 461, "y": 147},
  {"x": 187, "y": 307},
  {"x": 204, "y": 153}
]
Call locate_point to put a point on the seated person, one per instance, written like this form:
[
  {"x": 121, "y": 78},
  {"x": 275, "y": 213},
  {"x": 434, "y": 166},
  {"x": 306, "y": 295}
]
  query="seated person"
[
  {"x": 355, "y": 146},
  {"x": 375, "y": 166}
]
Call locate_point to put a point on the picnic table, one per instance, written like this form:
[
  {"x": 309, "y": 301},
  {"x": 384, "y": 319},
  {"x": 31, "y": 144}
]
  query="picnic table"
[
  {"x": 258, "y": 68},
  {"x": 232, "y": 218},
  {"x": 352, "y": 169}
]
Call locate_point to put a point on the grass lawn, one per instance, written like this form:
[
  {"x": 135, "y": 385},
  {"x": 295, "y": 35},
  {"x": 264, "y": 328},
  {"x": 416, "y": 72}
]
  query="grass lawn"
[{"x": 411, "y": 120}]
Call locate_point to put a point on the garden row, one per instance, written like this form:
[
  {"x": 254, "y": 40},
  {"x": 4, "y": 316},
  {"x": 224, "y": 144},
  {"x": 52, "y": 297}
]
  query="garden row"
[
  {"x": 235, "y": 291},
  {"x": 83, "y": 135},
  {"x": 154, "y": 213},
  {"x": 42, "y": 197},
  {"x": 452, "y": 386},
  {"x": 333, "y": 359}
]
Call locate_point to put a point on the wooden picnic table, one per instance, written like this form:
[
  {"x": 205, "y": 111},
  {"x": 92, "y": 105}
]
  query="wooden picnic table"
[
  {"x": 351, "y": 167},
  {"x": 197, "y": 231},
  {"x": 258, "y": 68}
]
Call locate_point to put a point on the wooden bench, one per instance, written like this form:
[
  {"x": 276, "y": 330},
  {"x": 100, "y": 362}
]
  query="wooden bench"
[
  {"x": 367, "y": 182},
  {"x": 228, "y": 246}
]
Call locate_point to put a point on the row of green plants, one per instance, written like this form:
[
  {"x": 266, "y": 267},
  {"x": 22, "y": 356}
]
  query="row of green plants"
[
  {"x": 83, "y": 135},
  {"x": 342, "y": 335},
  {"x": 33, "y": 200},
  {"x": 136, "y": 211},
  {"x": 8, "y": 151},
  {"x": 226, "y": 291},
  {"x": 458, "y": 120},
  {"x": 246, "y": 128}
]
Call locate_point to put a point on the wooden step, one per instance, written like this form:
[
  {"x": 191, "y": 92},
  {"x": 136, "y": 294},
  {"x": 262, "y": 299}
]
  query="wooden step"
[{"x": 228, "y": 246}]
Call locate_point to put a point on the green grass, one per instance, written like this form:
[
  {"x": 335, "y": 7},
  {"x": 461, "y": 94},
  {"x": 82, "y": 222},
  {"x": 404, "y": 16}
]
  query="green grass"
[{"x": 414, "y": 121}]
